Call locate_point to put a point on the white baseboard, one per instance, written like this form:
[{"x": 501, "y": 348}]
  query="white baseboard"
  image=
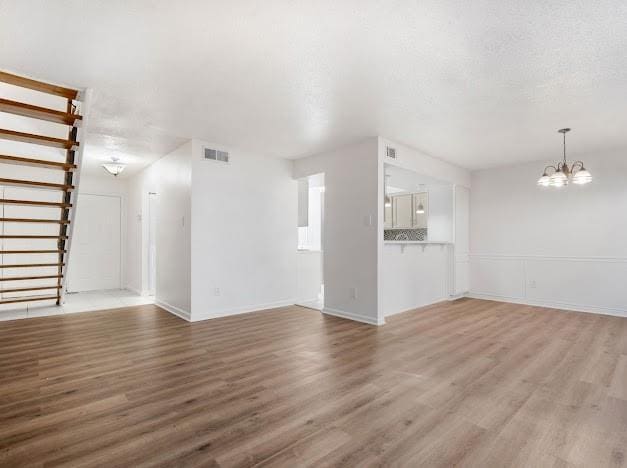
[
  {"x": 185, "y": 315},
  {"x": 352, "y": 316},
  {"x": 437, "y": 301},
  {"x": 306, "y": 301},
  {"x": 551, "y": 304},
  {"x": 241, "y": 310},
  {"x": 454, "y": 297}
]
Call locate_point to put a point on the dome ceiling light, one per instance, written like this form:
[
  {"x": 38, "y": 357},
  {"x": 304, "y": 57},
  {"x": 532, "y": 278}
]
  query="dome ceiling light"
[{"x": 115, "y": 167}]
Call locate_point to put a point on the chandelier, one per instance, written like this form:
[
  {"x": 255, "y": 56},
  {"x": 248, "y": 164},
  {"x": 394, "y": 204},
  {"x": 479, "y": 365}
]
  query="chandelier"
[{"x": 562, "y": 174}]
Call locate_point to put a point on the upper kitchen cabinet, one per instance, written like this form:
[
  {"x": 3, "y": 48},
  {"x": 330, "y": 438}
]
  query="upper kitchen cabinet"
[{"x": 409, "y": 211}]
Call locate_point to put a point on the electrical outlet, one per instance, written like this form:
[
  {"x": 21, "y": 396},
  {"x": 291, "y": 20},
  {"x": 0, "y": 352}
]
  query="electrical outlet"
[
  {"x": 532, "y": 284},
  {"x": 353, "y": 293},
  {"x": 216, "y": 291}
]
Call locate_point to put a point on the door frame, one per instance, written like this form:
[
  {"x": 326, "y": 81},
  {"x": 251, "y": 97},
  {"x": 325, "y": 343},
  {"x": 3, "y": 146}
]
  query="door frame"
[{"x": 152, "y": 200}]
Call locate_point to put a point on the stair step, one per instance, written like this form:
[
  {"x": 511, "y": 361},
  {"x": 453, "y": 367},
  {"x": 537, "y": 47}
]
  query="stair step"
[
  {"x": 34, "y": 220},
  {"x": 13, "y": 252},
  {"x": 6, "y": 159},
  {"x": 37, "y": 139},
  {"x": 6, "y": 201},
  {"x": 27, "y": 278},
  {"x": 38, "y": 288},
  {"x": 36, "y": 112},
  {"x": 22, "y": 236},
  {"x": 48, "y": 88},
  {"x": 35, "y": 184},
  {"x": 32, "y": 265},
  {"x": 28, "y": 299}
]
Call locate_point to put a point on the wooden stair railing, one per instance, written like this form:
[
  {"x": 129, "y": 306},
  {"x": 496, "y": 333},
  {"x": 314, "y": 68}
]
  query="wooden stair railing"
[{"x": 63, "y": 208}]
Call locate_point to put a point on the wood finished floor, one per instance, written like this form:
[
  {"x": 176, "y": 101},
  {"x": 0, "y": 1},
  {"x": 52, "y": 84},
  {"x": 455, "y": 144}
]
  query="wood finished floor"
[{"x": 467, "y": 383}]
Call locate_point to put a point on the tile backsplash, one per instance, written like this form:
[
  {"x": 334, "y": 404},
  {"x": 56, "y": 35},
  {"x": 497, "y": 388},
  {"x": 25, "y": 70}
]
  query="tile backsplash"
[{"x": 419, "y": 234}]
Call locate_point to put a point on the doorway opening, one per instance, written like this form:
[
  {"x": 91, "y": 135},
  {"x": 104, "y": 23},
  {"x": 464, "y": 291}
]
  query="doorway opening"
[
  {"x": 310, "y": 268},
  {"x": 152, "y": 243}
]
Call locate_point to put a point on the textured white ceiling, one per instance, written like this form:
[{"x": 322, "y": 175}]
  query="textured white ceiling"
[{"x": 477, "y": 83}]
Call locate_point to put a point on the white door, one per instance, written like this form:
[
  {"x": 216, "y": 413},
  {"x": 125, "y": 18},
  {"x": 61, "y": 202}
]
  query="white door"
[{"x": 95, "y": 250}]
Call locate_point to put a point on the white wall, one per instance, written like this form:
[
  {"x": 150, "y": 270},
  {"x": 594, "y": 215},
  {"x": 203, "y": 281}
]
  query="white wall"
[
  {"x": 308, "y": 275},
  {"x": 415, "y": 276},
  {"x": 170, "y": 178},
  {"x": 561, "y": 248},
  {"x": 461, "y": 249},
  {"x": 244, "y": 233},
  {"x": 350, "y": 228}
]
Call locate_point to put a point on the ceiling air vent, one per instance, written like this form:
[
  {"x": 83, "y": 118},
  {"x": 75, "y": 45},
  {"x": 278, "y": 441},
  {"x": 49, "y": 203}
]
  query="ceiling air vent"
[
  {"x": 216, "y": 155},
  {"x": 390, "y": 152}
]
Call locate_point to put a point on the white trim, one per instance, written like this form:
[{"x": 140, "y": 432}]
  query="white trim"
[
  {"x": 454, "y": 297},
  {"x": 301, "y": 301},
  {"x": 428, "y": 304},
  {"x": 351, "y": 316},
  {"x": 185, "y": 315},
  {"x": 242, "y": 310},
  {"x": 550, "y": 257},
  {"x": 551, "y": 304}
]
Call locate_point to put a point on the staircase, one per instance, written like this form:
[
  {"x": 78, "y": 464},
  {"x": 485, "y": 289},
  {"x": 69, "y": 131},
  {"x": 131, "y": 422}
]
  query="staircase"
[{"x": 40, "y": 155}]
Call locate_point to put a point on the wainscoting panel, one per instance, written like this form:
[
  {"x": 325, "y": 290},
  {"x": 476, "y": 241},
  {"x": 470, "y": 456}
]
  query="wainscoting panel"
[
  {"x": 590, "y": 284},
  {"x": 503, "y": 277}
]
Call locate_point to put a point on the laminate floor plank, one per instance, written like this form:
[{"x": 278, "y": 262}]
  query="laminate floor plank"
[{"x": 465, "y": 383}]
